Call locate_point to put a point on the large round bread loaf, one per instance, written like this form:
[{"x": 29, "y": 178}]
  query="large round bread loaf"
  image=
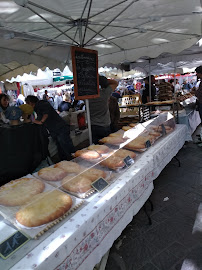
[
  {"x": 20, "y": 191},
  {"x": 44, "y": 208}
]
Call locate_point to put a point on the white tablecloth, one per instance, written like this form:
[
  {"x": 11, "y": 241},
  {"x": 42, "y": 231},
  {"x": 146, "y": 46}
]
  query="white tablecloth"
[
  {"x": 82, "y": 240},
  {"x": 191, "y": 120}
]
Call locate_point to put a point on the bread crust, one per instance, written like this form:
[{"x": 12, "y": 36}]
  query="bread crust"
[
  {"x": 112, "y": 140},
  {"x": 68, "y": 166},
  {"x": 125, "y": 128},
  {"x": 101, "y": 149},
  {"x": 52, "y": 174},
  {"x": 77, "y": 184},
  {"x": 139, "y": 142},
  {"x": 123, "y": 153},
  {"x": 113, "y": 162},
  {"x": 93, "y": 174},
  {"x": 20, "y": 191},
  {"x": 44, "y": 208},
  {"x": 87, "y": 154}
]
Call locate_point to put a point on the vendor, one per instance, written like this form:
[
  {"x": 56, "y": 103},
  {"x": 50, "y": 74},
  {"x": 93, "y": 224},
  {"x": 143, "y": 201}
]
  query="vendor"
[
  {"x": 99, "y": 110},
  {"x": 198, "y": 92},
  {"x": 145, "y": 94},
  {"x": 57, "y": 127}
]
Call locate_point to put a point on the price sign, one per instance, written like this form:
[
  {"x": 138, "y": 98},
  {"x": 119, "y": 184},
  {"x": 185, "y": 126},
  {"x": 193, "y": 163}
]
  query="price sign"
[
  {"x": 13, "y": 243},
  {"x": 85, "y": 73},
  {"x": 148, "y": 144},
  {"x": 128, "y": 161},
  {"x": 100, "y": 184},
  {"x": 163, "y": 129}
]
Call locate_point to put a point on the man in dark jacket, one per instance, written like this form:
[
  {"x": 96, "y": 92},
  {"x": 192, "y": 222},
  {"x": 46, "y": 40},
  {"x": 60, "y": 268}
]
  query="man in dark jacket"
[
  {"x": 198, "y": 92},
  {"x": 99, "y": 110},
  {"x": 57, "y": 127}
]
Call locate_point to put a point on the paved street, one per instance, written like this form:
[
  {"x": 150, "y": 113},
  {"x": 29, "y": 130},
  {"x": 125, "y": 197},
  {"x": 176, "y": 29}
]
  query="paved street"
[{"x": 174, "y": 240}]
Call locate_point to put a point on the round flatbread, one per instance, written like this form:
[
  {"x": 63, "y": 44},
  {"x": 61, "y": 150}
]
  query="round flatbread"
[
  {"x": 101, "y": 149},
  {"x": 133, "y": 124},
  {"x": 113, "y": 162},
  {"x": 20, "y": 191},
  {"x": 112, "y": 140},
  {"x": 44, "y": 208},
  {"x": 68, "y": 166},
  {"x": 93, "y": 174},
  {"x": 87, "y": 154},
  {"x": 125, "y": 128},
  {"x": 52, "y": 174},
  {"x": 155, "y": 133},
  {"x": 78, "y": 184},
  {"x": 123, "y": 153}
]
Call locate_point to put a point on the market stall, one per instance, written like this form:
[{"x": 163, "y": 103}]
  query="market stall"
[
  {"x": 188, "y": 115},
  {"x": 81, "y": 239}
]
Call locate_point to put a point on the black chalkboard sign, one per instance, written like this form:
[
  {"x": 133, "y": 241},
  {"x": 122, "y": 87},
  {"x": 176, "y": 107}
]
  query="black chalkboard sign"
[
  {"x": 13, "y": 243},
  {"x": 128, "y": 161},
  {"x": 85, "y": 73},
  {"x": 148, "y": 144},
  {"x": 100, "y": 184}
]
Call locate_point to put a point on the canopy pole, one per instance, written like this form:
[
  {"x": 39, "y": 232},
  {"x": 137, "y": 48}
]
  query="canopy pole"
[
  {"x": 174, "y": 75},
  {"x": 149, "y": 79},
  {"x": 88, "y": 121},
  {"x": 86, "y": 100}
]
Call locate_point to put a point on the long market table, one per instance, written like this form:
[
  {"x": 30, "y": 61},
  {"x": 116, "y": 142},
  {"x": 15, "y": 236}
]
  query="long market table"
[
  {"x": 83, "y": 239},
  {"x": 191, "y": 119}
]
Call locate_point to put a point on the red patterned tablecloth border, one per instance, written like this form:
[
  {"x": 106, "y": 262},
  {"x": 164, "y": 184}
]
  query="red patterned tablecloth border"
[{"x": 96, "y": 236}]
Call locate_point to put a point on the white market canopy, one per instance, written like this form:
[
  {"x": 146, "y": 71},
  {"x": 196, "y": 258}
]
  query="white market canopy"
[
  {"x": 116, "y": 73},
  {"x": 183, "y": 62},
  {"x": 122, "y": 31},
  {"x": 41, "y": 78}
]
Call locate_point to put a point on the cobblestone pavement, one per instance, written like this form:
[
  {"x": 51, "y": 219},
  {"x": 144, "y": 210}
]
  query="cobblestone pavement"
[{"x": 174, "y": 240}]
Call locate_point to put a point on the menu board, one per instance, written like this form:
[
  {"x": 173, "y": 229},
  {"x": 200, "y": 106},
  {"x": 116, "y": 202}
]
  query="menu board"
[{"x": 85, "y": 73}]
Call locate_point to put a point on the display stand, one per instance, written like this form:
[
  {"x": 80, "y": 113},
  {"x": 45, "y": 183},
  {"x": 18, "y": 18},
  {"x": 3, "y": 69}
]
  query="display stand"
[
  {"x": 81, "y": 241},
  {"x": 191, "y": 119}
]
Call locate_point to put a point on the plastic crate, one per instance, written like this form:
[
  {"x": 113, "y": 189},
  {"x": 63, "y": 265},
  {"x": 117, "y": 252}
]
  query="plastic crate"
[{"x": 131, "y": 100}]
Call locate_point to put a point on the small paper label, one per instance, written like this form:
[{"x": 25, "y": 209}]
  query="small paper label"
[
  {"x": 100, "y": 184},
  {"x": 148, "y": 144},
  {"x": 13, "y": 243},
  {"x": 128, "y": 161},
  {"x": 163, "y": 129}
]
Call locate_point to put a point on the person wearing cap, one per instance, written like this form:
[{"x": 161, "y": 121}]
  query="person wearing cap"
[
  {"x": 198, "y": 92},
  {"x": 99, "y": 110},
  {"x": 13, "y": 113},
  {"x": 27, "y": 111},
  {"x": 59, "y": 130}
]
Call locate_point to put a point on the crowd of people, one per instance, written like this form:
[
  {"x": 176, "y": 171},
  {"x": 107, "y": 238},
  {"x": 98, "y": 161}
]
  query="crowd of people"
[
  {"x": 48, "y": 114},
  {"x": 104, "y": 111}
]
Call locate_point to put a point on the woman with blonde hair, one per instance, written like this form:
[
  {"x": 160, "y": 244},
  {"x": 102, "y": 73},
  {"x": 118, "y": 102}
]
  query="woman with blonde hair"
[{"x": 65, "y": 105}]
